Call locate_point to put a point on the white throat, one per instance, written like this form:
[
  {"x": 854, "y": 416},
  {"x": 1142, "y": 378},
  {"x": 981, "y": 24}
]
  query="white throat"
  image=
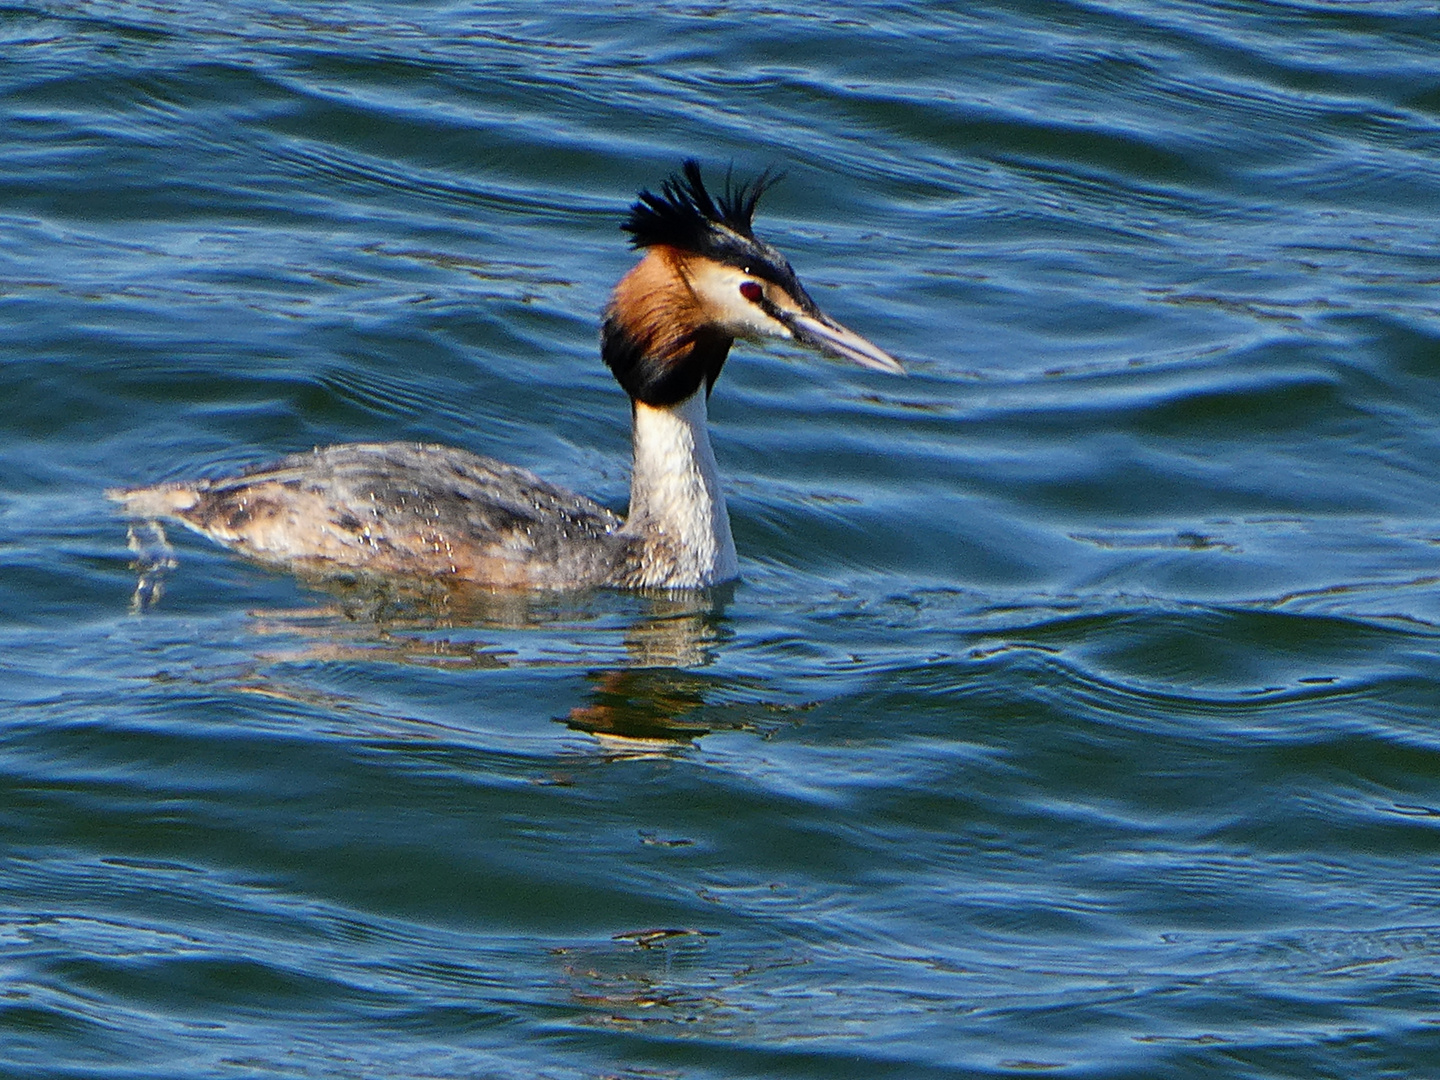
[{"x": 675, "y": 498}]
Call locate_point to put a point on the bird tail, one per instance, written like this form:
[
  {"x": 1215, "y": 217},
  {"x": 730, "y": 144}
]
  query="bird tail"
[{"x": 162, "y": 500}]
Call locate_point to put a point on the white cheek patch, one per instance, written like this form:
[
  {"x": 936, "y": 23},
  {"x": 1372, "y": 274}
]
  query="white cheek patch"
[{"x": 718, "y": 288}]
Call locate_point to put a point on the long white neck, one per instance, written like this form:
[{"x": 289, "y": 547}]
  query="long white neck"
[{"x": 675, "y": 498}]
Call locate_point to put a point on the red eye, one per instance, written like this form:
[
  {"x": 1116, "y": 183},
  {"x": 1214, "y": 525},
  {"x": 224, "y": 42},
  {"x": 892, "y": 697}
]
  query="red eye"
[{"x": 751, "y": 291}]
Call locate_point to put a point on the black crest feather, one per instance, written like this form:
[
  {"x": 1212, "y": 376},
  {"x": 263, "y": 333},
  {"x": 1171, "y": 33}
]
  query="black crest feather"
[{"x": 685, "y": 215}]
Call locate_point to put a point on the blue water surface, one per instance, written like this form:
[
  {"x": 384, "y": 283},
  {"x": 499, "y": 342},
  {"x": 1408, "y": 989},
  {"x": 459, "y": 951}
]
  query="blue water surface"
[{"x": 1075, "y": 715}]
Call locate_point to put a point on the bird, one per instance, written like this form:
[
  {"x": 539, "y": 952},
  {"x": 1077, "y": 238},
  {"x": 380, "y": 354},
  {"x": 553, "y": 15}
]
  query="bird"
[{"x": 412, "y": 511}]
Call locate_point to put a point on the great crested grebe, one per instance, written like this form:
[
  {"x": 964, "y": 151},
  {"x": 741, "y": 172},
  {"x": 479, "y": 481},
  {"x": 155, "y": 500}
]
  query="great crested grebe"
[{"x": 417, "y": 511}]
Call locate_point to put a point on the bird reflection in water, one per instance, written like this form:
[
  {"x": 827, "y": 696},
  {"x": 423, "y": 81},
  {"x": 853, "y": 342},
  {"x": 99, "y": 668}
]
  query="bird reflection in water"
[
  {"x": 644, "y": 655},
  {"x": 660, "y": 696}
]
